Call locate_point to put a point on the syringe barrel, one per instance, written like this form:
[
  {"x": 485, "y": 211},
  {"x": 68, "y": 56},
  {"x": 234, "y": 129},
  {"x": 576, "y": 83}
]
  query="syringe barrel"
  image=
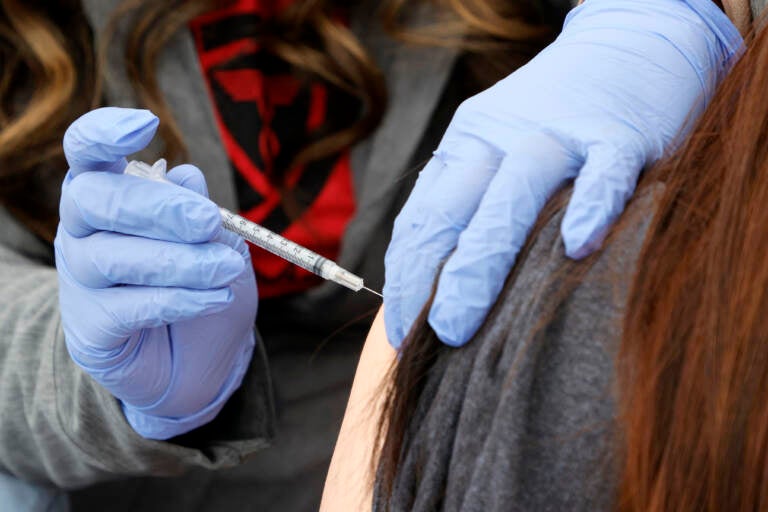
[
  {"x": 290, "y": 251},
  {"x": 262, "y": 237},
  {"x": 271, "y": 241}
]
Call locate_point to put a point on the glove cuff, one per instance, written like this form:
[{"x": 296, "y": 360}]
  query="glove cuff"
[{"x": 726, "y": 32}]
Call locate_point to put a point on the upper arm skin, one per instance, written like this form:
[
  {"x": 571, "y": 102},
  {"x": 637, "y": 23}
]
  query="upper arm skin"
[{"x": 348, "y": 485}]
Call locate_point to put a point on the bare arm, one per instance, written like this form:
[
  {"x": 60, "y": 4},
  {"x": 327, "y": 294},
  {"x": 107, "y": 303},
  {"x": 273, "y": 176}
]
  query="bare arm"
[{"x": 349, "y": 482}]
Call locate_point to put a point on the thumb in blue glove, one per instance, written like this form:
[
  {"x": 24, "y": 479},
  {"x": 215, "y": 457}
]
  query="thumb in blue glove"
[
  {"x": 157, "y": 301},
  {"x": 600, "y": 103}
]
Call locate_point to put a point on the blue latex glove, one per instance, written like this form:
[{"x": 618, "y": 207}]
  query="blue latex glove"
[
  {"x": 158, "y": 302},
  {"x": 600, "y": 103}
]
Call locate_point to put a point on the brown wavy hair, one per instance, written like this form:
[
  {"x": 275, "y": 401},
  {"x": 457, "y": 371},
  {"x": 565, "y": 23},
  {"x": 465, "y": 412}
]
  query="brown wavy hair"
[
  {"x": 52, "y": 73},
  {"x": 692, "y": 366}
]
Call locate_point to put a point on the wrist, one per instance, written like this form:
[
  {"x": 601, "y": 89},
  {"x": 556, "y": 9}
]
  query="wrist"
[{"x": 692, "y": 23}]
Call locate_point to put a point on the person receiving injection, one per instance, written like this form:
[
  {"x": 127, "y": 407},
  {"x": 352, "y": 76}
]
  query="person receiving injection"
[{"x": 138, "y": 357}]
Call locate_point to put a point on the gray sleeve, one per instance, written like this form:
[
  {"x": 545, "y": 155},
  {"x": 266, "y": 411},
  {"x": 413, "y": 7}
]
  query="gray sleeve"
[{"x": 59, "y": 426}]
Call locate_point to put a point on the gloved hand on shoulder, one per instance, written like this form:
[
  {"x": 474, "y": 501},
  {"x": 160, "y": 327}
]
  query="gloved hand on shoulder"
[
  {"x": 158, "y": 302},
  {"x": 598, "y": 105}
]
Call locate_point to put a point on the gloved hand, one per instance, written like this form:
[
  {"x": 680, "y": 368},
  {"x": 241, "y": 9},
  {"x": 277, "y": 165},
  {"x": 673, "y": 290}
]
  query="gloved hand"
[
  {"x": 158, "y": 302},
  {"x": 600, "y": 103}
]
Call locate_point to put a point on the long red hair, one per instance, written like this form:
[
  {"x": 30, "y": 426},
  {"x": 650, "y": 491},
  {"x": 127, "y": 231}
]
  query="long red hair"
[{"x": 693, "y": 364}]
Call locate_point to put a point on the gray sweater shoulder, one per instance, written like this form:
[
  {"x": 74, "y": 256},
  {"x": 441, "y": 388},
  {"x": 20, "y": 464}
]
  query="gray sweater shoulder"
[{"x": 522, "y": 417}]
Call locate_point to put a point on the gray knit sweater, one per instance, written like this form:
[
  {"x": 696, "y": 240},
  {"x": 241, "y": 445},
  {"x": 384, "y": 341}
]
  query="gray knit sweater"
[{"x": 521, "y": 418}]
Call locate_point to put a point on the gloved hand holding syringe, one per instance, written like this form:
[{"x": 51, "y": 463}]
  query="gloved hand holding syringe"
[{"x": 264, "y": 238}]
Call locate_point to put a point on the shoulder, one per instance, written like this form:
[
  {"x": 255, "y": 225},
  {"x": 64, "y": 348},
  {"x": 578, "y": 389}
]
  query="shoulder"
[{"x": 523, "y": 414}]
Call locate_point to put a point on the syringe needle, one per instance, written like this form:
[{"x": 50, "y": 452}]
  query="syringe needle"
[{"x": 373, "y": 292}]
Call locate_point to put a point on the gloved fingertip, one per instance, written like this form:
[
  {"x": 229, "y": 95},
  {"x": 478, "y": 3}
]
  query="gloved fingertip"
[
  {"x": 583, "y": 231},
  {"x": 197, "y": 220},
  {"x": 133, "y": 126},
  {"x": 450, "y": 332},
  {"x": 600, "y": 193},
  {"x": 446, "y": 319},
  {"x": 392, "y": 327},
  {"x": 580, "y": 249},
  {"x": 100, "y": 139},
  {"x": 231, "y": 266},
  {"x": 464, "y": 296}
]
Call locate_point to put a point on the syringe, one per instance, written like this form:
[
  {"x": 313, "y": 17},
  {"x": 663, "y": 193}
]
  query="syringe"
[{"x": 264, "y": 238}]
